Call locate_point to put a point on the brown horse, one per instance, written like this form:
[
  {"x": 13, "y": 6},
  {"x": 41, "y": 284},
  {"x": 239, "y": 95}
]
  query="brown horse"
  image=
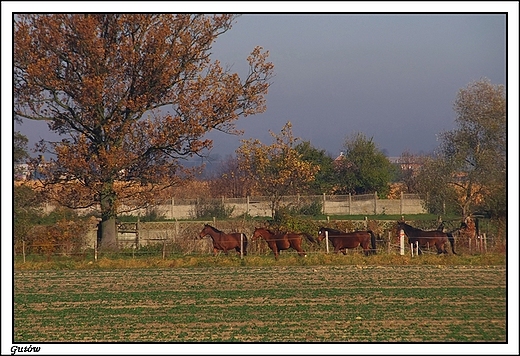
[
  {"x": 282, "y": 241},
  {"x": 223, "y": 241},
  {"x": 424, "y": 238},
  {"x": 343, "y": 240}
]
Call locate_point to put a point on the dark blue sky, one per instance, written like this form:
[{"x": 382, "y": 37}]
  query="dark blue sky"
[{"x": 390, "y": 77}]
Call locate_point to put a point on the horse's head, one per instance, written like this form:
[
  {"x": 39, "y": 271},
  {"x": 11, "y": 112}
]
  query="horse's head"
[
  {"x": 205, "y": 231},
  {"x": 257, "y": 234},
  {"x": 321, "y": 234}
]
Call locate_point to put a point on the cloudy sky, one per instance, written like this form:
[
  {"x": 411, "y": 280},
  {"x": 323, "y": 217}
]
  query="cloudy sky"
[{"x": 392, "y": 77}]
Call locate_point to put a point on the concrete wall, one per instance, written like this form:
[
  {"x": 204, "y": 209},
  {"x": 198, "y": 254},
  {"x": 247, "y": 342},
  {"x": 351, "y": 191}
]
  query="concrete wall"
[
  {"x": 259, "y": 206},
  {"x": 341, "y": 205}
]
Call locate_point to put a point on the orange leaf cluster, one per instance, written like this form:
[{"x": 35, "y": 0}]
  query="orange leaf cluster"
[{"x": 133, "y": 93}]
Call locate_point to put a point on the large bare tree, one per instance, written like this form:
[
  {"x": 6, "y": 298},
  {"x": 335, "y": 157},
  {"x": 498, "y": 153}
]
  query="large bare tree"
[
  {"x": 132, "y": 94},
  {"x": 470, "y": 168}
]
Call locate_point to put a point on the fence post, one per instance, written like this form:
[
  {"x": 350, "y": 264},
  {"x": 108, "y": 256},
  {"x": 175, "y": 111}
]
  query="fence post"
[
  {"x": 411, "y": 248},
  {"x": 164, "y": 249},
  {"x": 327, "y": 240},
  {"x": 241, "y": 245},
  {"x": 401, "y": 241},
  {"x": 401, "y": 204},
  {"x": 389, "y": 245},
  {"x": 485, "y": 242},
  {"x": 137, "y": 228},
  {"x": 23, "y": 250},
  {"x": 95, "y": 250},
  {"x": 247, "y": 205}
]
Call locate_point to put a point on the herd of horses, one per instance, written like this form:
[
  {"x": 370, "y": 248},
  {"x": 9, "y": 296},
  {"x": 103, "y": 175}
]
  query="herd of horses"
[{"x": 341, "y": 241}]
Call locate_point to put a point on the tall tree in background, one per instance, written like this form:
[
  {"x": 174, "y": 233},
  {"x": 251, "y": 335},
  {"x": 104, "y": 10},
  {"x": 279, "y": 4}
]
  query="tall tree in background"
[
  {"x": 132, "y": 93},
  {"x": 409, "y": 166},
  {"x": 277, "y": 169},
  {"x": 364, "y": 168},
  {"x": 472, "y": 158},
  {"x": 324, "y": 178},
  {"x": 229, "y": 180}
]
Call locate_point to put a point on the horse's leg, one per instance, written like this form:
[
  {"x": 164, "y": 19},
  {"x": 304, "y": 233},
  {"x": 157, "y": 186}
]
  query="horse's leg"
[
  {"x": 274, "y": 248},
  {"x": 215, "y": 251},
  {"x": 364, "y": 246},
  {"x": 343, "y": 251},
  {"x": 301, "y": 252}
]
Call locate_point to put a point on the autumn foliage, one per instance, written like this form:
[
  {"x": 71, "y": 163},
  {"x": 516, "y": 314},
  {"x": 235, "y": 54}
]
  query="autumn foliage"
[
  {"x": 131, "y": 94},
  {"x": 276, "y": 169}
]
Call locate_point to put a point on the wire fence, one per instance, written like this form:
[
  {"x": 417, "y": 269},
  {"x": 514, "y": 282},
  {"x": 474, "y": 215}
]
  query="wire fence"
[{"x": 187, "y": 243}]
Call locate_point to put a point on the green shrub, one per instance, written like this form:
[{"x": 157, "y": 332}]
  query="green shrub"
[{"x": 209, "y": 208}]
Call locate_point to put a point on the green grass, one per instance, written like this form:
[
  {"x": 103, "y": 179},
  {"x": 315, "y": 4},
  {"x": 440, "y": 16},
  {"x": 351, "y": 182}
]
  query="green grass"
[
  {"x": 279, "y": 303},
  {"x": 286, "y": 259}
]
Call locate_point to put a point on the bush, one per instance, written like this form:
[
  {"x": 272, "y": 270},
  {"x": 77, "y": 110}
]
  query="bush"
[
  {"x": 27, "y": 211},
  {"x": 313, "y": 208},
  {"x": 64, "y": 237},
  {"x": 152, "y": 215},
  {"x": 284, "y": 220},
  {"x": 209, "y": 208}
]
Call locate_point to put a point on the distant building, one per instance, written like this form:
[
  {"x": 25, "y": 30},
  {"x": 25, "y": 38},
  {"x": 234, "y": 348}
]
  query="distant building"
[
  {"x": 406, "y": 164},
  {"x": 340, "y": 161}
]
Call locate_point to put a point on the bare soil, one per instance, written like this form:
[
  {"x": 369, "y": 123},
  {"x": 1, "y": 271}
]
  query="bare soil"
[{"x": 263, "y": 304}]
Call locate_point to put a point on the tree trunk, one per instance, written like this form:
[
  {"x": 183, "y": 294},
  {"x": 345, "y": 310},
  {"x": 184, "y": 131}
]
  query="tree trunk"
[{"x": 107, "y": 231}]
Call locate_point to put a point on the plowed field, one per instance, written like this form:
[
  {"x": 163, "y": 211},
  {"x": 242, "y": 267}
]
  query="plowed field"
[{"x": 252, "y": 304}]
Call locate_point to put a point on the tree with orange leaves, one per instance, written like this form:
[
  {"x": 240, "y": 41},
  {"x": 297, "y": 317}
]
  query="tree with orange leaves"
[
  {"x": 277, "y": 169},
  {"x": 132, "y": 94}
]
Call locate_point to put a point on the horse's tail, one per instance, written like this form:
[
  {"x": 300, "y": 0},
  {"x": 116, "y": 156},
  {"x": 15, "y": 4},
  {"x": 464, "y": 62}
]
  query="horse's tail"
[
  {"x": 309, "y": 237},
  {"x": 452, "y": 242},
  {"x": 373, "y": 241},
  {"x": 244, "y": 243}
]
